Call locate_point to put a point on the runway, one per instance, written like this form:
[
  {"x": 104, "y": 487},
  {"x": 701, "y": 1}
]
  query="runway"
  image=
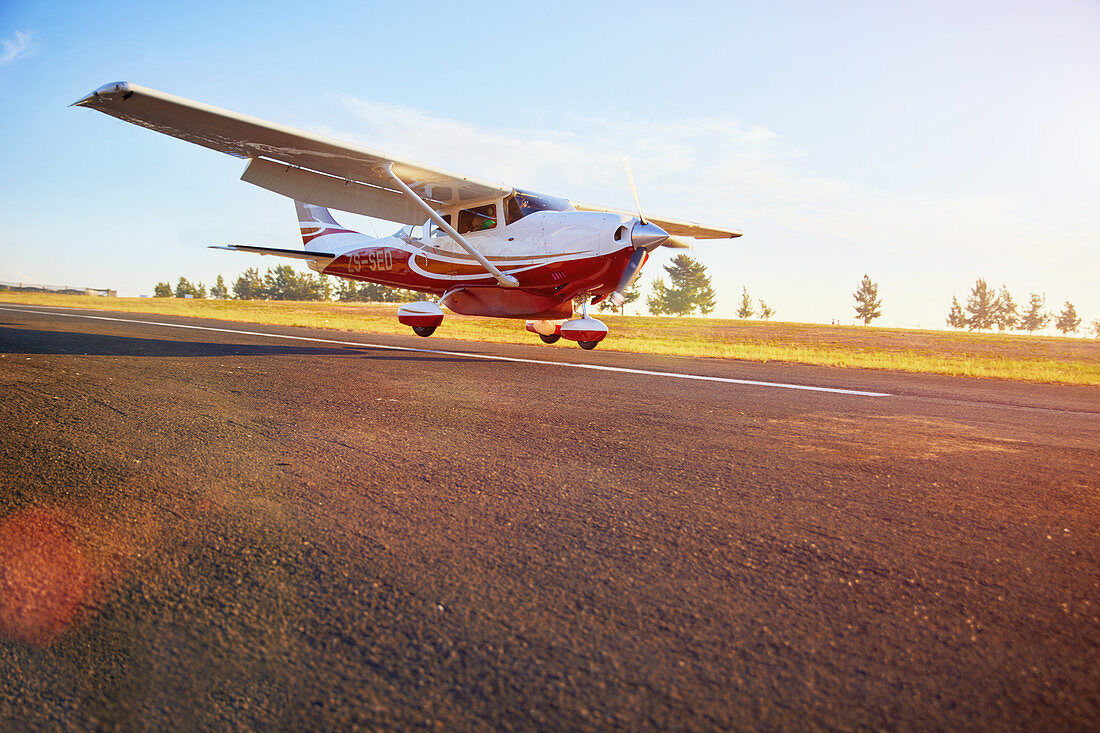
[{"x": 253, "y": 526}]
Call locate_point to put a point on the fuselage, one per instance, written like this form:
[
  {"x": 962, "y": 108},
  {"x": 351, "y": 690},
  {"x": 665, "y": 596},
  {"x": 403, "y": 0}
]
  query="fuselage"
[{"x": 555, "y": 256}]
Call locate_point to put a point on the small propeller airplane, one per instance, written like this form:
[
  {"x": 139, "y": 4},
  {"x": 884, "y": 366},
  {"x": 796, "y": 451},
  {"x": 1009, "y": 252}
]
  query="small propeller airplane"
[{"x": 481, "y": 248}]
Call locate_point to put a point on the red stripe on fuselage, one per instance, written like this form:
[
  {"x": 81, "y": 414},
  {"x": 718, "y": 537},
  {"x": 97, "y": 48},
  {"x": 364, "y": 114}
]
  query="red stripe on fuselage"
[{"x": 390, "y": 266}]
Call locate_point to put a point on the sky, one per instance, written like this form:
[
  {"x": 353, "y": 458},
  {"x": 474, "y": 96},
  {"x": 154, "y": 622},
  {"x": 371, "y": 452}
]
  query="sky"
[{"x": 924, "y": 144}]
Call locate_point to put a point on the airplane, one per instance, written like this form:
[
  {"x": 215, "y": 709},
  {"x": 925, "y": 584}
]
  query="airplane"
[{"x": 480, "y": 248}]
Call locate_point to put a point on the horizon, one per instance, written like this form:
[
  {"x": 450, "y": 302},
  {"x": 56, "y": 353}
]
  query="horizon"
[{"x": 924, "y": 147}]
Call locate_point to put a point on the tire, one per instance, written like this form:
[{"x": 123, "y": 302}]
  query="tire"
[
  {"x": 587, "y": 345},
  {"x": 551, "y": 339},
  {"x": 424, "y": 330}
]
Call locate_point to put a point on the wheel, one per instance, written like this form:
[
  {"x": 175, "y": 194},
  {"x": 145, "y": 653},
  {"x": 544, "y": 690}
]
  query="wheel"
[
  {"x": 587, "y": 345},
  {"x": 424, "y": 330},
  {"x": 552, "y": 338}
]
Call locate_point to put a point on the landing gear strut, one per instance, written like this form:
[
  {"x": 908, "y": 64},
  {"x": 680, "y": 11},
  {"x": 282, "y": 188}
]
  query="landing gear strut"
[{"x": 587, "y": 332}]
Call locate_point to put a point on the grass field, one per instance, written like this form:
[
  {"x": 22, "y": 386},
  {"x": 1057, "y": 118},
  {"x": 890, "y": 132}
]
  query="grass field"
[{"x": 1003, "y": 356}]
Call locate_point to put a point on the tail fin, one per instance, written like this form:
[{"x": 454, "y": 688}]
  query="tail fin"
[{"x": 319, "y": 229}]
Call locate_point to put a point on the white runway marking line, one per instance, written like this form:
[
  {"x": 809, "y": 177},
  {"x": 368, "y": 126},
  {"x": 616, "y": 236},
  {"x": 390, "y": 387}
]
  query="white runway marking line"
[{"x": 467, "y": 355}]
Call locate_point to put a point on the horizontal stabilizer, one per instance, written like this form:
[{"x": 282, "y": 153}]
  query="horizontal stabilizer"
[{"x": 292, "y": 253}]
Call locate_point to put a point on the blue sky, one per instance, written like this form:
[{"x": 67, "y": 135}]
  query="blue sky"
[{"x": 926, "y": 144}]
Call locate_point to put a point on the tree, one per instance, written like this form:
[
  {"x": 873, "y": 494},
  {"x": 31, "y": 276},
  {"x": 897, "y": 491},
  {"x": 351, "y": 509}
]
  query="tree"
[
  {"x": 219, "y": 290},
  {"x": 349, "y": 291},
  {"x": 326, "y": 287},
  {"x": 868, "y": 305},
  {"x": 184, "y": 288},
  {"x": 1095, "y": 326},
  {"x": 706, "y": 298},
  {"x": 346, "y": 290},
  {"x": 1036, "y": 318},
  {"x": 955, "y": 317},
  {"x": 283, "y": 282},
  {"x": 745, "y": 309},
  {"x": 979, "y": 307},
  {"x": 689, "y": 289},
  {"x": 162, "y": 290},
  {"x": 1004, "y": 310},
  {"x": 766, "y": 311},
  {"x": 1068, "y": 320},
  {"x": 249, "y": 286},
  {"x": 662, "y": 300}
]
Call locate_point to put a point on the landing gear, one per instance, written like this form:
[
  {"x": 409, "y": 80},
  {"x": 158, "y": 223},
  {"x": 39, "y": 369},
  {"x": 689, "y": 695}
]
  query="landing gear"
[
  {"x": 587, "y": 332},
  {"x": 548, "y": 331},
  {"x": 423, "y": 316}
]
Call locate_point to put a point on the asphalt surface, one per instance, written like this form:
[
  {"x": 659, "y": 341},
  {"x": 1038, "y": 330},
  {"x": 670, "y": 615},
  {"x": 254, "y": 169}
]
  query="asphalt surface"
[{"x": 209, "y": 529}]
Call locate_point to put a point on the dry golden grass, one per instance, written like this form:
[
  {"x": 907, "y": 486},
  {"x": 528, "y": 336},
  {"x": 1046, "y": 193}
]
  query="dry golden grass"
[{"x": 1005, "y": 356}]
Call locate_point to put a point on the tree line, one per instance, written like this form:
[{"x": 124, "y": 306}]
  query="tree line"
[
  {"x": 987, "y": 308},
  {"x": 283, "y": 282},
  {"x": 688, "y": 290}
]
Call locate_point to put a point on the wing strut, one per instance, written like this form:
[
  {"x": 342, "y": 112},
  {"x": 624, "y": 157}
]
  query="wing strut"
[{"x": 506, "y": 281}]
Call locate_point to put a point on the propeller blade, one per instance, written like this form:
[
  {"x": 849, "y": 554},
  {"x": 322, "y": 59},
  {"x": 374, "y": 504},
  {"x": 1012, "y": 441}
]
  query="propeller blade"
[
  {"x": 633, "y": 265},
  {"x": 634, "y": 190}
]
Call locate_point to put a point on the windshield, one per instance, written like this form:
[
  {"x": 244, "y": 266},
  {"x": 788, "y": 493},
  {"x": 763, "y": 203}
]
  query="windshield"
[{"x": 524, "y": 203}]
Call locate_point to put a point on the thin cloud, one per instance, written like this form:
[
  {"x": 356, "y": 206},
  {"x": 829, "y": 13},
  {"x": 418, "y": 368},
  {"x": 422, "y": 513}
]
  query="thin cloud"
[
  {"x": 708, "y": 169},
  {"x": 11, "y": 50}
]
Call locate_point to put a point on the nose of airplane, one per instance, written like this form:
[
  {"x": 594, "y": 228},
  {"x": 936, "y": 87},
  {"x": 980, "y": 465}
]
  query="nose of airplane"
[{"x": 647, "y": 235}]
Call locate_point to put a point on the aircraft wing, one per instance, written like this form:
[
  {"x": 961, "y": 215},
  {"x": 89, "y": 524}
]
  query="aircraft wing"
[
  {"x": 675, "y": 227},
  {"x": 295, "y": 254},
  {"x": 298, "y": 164}
]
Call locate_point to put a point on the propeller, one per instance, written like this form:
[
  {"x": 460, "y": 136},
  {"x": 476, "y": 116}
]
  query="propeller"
[
  {"x": 634, "y": 190},
  {"x": 645, "y": 236}
]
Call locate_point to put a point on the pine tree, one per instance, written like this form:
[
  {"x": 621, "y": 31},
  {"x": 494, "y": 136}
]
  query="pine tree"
[
  {"x": 162, "y": 290},
  {"x": 868, "y": 305},
  {"x": 249, "y": 286},
  {"x": 1036, "y": 318},
  {"x": 1068, "y": 320},
  {"x": 689, "y": 289},
  {"x": 979, "y": 307},
  {"x": 955, "y": 317},
  {"x": 1004, "y": 310},
  {"x": 766, "y": 311},
  {"x": 745, "y": 310},
  {"x": 184, "y": 288},
  {"x": 219, "y": 290}
]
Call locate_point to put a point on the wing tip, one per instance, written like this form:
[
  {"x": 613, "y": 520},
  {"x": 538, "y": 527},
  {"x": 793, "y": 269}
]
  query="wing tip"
[{"x": 107, "y": 91}]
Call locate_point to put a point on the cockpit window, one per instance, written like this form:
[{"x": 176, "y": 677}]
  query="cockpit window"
[
  {"x": 477, "y": 219},
  {"x": 523, "y": 203},
  {"x": 434, "y": 229}
]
